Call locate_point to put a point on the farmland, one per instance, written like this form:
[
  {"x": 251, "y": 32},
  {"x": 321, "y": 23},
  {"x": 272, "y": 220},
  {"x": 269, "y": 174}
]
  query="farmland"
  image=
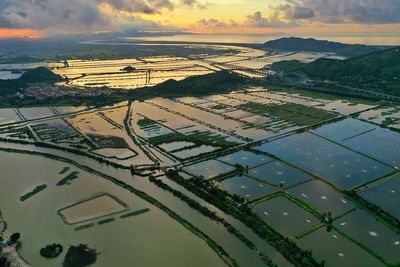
[{"x": 258, "y": 175}]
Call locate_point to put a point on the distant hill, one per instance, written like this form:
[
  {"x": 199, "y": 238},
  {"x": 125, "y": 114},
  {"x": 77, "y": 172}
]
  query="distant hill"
[
  {"x": 379, "y": 71},
  {"x": 296, "y": 44},
  {"x": 38, "y": 75},
  {"x": 217, "y": 82}
]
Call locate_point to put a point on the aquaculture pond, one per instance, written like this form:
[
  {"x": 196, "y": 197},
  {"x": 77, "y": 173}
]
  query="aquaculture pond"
[
  {"x": 92, "y": 208},
  {"x": 345, "y": 107},
  {"x": 193, "y": 152},
  {"x": 8, "y": 116},
  {"x": 208, "y": 169},
  {"x": 371, "y": 233},
  {"x": 176, "y": 145},
  {"x": 369, "y": 139},
  {"x": 277, "y": 172},
  {"x": 327, "y": 160},
  {"x": 237, "y": 249},
  {"x": 246, "y": 187},
  {"x": 37, "y": 112},
  {"x": 246, "y": 158},
  {"x": 387, "y": 115},
  {"x": 285, "y": 216},
  {"x": 336, "y": 250},
  {"x": 151, "y": 233},
  {"x": 322, "y": 197},
  {"x": 381, "y": 144},
  {"x": 117, "y": 153},
  {"x": 345, "y": 129},
  {"x": 386, "y": 195}
]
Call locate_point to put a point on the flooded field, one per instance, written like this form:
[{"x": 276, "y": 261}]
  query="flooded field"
[
  {"x": 372, "y": 234},
  {"x": 246, "y": 187},
  {"x": 246, "y": 158},
  {"x": 277, "y": 173},
  {"x": 208, "y": 169},
  {"x": 322, "y": 197},
  {"x": 8, "y": 116},
  {"x": 327, "y": 160},
  {"x": 304, "y": 163},
  {"x": 285, "y": 216},
  {"x": 386, "y": 116},
  {"x": 130, "y": 73},
  {"x": 89, "y": 209},
  {"x": 385, "y": 195},
  {"x": 336, "y": 250},
  {"x": 39, "y": 224}
]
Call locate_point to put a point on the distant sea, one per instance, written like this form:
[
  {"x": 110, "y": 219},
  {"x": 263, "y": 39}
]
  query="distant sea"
[{"x": 379, "y": 39}]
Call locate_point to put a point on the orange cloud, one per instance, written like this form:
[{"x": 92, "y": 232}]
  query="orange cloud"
[{"x": 6, "y": 33}]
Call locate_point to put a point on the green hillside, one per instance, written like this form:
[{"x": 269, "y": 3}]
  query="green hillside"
[
  {"x": 296, "y": 44},
  {"x": 39, "y": 75},
  {"x": 221, "y": 81},
  {"x": 33, "y": 76},
  {"x": 378, "y": 71}
]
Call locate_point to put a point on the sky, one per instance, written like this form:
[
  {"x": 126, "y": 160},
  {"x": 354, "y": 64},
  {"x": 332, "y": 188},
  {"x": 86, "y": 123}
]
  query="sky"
[{"x": 42, "y": 18}]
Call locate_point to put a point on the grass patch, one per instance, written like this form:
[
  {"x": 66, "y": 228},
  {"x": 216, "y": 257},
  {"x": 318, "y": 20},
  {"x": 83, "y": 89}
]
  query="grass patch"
[
  {"x": 108, "y": 141},
  {"x": 196, "y": 137},
  {"x": 106, "y": 221},
  {"x": 85, "y": 226},
  {"x": 38, "y": 189},
  {"x": 64, "y": 170},
  {"x": 134, "y": 213},
  {"x": 68, "y": 179},
  {"x": 294, "y": 113}
]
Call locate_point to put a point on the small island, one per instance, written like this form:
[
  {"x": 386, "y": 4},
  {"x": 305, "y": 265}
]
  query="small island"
[
  {"x": 129, "y": 69},
  {"x": 38, "y": 189},
  {"x": 80, "y": 256},
  {"x": 51, "y": 251}
]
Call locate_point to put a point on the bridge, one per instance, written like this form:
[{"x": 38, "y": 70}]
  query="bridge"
[{"x": 262, "y": 72}]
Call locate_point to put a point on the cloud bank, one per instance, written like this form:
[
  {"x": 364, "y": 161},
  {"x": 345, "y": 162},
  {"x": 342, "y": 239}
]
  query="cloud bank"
[
  {"x": 342, "y": 11},
  {"x": 70, "y": 16},
  {"x": 64, "y": 16}
]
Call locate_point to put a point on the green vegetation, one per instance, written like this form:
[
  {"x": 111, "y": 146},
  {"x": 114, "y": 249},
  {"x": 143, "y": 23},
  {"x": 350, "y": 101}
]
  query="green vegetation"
[
  {"x": 378, "y": 72},
  {"x": 37, "y": 189},
  {"x": 18, "y": 51},
  {"x": 39, "y": 75},
  {"x": 85, "y": 226},
  {"x": 295, "y": 113},
  {"x": 210, "y": 214},
  {"x": 213, "y": 245},
  {"x": 296, "y": 44},
  {"x": 4, "y": 261},
  {"x": 134, "y": 213},
  {"x": 15, "y": 237},
  {"x": 198, "y": 138},
  {"x": 68, "y": 179},
  {"x": 388, "y": 219},
  {"x": 51, "y": 251},
  {"x": 316, "y": 93},
  {"x": 106, "y": 221},
  {"x": 219, "y": 82},
  {"x": 222, "y": 200},
  {"x": 80, "y": 256},
  {"x": 64, "y": 170},
  {"x": 108, "y": 141},
  {"x": 33, "y": 76}
]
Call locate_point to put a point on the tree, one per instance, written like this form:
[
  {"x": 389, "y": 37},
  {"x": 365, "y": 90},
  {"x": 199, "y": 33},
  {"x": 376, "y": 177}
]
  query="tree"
[
  {"x": 3, "y": 261},
  {"x": 80, "y": 256},
  {"x": 15, "y": 237},
  {"x": 51, "y": 251}
]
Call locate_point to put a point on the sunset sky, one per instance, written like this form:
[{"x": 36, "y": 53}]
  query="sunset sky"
[{"x": 40, "y": 18}]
